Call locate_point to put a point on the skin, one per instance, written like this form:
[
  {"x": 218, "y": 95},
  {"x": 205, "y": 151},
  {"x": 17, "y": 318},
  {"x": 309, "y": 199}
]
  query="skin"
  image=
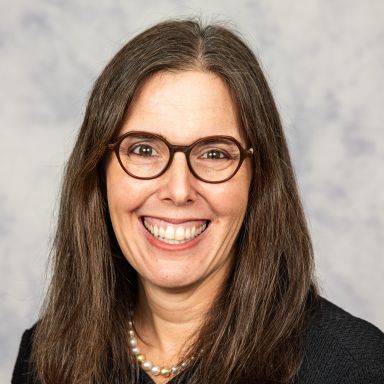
[{"x": 177, "y": 286}]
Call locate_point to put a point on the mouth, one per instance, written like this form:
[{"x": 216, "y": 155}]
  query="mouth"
[{"x": 179, "y": 232}]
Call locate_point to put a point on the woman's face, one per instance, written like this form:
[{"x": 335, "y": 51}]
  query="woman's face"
[{"x": 182, "y": 107}]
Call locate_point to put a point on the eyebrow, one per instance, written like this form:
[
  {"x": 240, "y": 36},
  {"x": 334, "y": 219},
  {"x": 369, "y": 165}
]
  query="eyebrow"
[
  {"x": 216, "y": 140},
  {"x": 148, "y": 136}
]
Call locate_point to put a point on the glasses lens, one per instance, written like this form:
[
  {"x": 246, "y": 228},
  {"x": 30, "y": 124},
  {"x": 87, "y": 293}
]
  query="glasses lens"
[
  {"x": 143, "y": 155},
  {"x": 215, "y": 159}
]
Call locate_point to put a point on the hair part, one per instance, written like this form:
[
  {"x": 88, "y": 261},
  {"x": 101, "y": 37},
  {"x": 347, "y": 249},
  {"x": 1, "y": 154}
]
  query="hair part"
[{"x": 253, "y": 331}]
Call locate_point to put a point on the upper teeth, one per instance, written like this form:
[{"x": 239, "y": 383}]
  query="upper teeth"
[{"x": 174, "y": 234}]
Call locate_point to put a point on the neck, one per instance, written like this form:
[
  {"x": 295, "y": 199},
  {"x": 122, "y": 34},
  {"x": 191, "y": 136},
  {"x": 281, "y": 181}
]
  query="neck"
[{"x": 166, "y": 319}]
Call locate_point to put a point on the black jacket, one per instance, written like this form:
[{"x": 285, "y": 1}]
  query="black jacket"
[{"x": 339, "y": 349}]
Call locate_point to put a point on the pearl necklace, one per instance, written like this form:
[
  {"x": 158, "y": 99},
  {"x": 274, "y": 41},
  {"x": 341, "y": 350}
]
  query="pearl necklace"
[{"x": 147, "y": 365}]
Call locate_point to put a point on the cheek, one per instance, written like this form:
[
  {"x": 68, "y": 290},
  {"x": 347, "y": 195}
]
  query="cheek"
[
  {"x": 229, "y": 200},
  {"x": 123, "y": 194},
  {"x": 121, "y": 197}
]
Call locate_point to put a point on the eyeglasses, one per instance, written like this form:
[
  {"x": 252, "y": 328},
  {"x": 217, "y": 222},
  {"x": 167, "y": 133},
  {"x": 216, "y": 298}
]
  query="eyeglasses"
[{"x": 212, "y": 159}]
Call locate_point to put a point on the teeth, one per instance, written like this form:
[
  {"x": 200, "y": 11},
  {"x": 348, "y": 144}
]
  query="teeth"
[
  {"x": 172, "y": 235},
  {"x": 179, "y": 234}
]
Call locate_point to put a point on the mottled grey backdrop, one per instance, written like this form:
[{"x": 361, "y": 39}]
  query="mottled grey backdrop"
[{"x": 324, "y": 60}]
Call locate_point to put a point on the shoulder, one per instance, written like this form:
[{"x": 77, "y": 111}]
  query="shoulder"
[
  {"x": 22, "y": 372},
  {"x": 341, "y": 348}
]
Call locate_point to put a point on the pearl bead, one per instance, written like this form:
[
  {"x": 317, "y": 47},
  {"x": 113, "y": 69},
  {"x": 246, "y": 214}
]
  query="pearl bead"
[
  {"x": 165, "y": 372},
  {"x": 131, "y": 333},
  {"x": 135, "y": 350},
  {"x": 147, "y": 365},
  {"x": 155, "y": 370},
  {"x": 174, "y": 370},
  {"x": 140, "y": 358},
  {"x": 132, "y": 342}
]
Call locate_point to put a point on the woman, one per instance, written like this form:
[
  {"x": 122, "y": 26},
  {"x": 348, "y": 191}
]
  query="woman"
[{"x": 182, "y": 254}]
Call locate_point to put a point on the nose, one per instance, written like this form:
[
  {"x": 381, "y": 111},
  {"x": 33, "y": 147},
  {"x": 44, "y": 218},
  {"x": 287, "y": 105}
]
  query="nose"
[{"x": 178, "y": 182}]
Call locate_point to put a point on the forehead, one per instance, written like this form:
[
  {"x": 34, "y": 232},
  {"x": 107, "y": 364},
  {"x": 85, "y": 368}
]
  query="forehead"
[{"x": 183, "y": 106}]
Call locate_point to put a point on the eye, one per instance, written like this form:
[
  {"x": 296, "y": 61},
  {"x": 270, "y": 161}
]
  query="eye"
[
  {"x": 215, "y": 154},
  {"x": 143, "y": 150}
]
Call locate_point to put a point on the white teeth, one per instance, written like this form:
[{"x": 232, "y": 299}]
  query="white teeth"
[
  {"x": 179, "y": 234},
  {"x": 169, "y": 233},
  {"x": 174, "y": 235}
]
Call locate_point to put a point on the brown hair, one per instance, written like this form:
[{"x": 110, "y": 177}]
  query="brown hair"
[{"x": 254, "y": 330}]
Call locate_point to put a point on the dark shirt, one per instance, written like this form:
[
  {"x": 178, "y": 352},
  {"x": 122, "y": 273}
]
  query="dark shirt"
[{"x": 339, "y": 349}]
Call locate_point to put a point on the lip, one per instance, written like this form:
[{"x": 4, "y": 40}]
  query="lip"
[
  {"x": 172, "y": 247},
  {"x": 175, "y": 220}
]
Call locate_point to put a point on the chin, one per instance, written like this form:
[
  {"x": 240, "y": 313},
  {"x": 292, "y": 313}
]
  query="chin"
[{"x": 173, "y": 280}]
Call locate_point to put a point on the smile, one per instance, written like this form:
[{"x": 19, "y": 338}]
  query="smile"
[{"x": 172, "y": 233}]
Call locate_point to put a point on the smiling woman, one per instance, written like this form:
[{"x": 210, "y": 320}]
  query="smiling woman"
[
  {"x": 176, "y": 204},
  {"x": 182, "y": 253}
]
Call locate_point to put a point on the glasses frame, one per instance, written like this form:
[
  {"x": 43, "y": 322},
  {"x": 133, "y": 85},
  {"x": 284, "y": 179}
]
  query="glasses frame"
[{"x": 186, "y": 149}]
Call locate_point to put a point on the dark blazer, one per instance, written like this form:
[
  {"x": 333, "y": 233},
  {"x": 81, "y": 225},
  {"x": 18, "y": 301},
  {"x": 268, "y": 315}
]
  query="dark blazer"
[{"x": 339, "y": 349}]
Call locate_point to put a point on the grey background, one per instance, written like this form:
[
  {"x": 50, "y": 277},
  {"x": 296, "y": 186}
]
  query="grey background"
[{"x": 324, "y": 60}]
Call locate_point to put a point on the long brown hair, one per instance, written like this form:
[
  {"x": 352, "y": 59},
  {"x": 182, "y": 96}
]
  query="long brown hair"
[{"x": 254, "y": 330}]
